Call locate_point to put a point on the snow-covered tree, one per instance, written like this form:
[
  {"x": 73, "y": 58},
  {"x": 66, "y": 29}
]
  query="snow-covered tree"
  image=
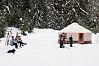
[
  {"x": 94, "y": 15},
  {"x": 55, "y": 14},
  {"x": 76, "y": 11},
  {"x": 2, "y": 23},
  {"x": 19, "y": 9}
]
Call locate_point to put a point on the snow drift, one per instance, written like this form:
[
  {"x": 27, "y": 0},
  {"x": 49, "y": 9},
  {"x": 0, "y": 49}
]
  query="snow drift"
[{"x": 42, "y": 49}]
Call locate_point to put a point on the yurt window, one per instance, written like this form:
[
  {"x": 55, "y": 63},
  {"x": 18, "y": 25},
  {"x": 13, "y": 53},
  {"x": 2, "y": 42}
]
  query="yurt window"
[{"x": 65, "y": 34}]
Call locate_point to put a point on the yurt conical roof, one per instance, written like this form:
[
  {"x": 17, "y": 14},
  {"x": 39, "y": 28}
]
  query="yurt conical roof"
[{"x": 75, "y": 28}]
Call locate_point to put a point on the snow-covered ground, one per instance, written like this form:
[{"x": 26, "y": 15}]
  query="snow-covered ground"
[{"x": 42, "y": 49}]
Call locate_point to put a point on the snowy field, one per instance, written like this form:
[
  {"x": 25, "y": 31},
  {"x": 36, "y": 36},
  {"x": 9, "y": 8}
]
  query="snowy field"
[{"x": 42, "y": 49}]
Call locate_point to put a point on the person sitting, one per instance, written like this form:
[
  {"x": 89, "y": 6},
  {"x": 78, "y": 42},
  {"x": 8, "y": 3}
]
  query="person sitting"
[
  {"x": 20, "y": 42},
  {"x": 13, "y": 42}
]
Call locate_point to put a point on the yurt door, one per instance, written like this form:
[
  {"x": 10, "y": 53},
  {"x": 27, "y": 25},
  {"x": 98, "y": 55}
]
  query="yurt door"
[{"x": 81, "y": 38}]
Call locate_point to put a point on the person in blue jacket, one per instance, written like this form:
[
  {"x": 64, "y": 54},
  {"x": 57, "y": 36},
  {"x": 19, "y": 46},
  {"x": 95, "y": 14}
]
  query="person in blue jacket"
[{"x": 13, "y": 42}]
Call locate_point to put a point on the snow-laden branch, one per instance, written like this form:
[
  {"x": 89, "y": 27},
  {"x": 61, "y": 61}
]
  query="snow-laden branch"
[
  {"x": 75, "y": 12},
  {"x": 74, "y": 9},
  {"x": 7, "y": 8},
  {"x": 83, "y": 11},
  {"x": 68, "y": 2},
  {"x": 77, "y": 2}
]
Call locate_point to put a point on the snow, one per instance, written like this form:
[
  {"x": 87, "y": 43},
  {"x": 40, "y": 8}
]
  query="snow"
[
  {"x": 48, "y": 7},
  {"x": 7, "y": 8},
  {"x": 29, "y": 10},
  {"x": 77, "y": 2},
  {"x": 67, "y": 2},
  {"x": 42, "y": 49},
  {"x": 84, "y": 11},
  {"x": 74, "y": 9},
  {"x": 21, "y": 19}
]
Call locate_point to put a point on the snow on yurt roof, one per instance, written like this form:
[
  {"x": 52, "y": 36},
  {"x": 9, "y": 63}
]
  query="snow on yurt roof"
[{"x": 75, "y": 28}]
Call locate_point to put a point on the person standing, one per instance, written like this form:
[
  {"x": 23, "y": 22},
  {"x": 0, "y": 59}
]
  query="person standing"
[
  {"x": 71, "y": 40},
  {"x": 61, "y": 40}
]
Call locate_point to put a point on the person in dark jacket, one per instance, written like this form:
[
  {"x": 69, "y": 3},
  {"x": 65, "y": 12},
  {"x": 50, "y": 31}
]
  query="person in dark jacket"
[
  {"x": 15, "y": 43},
  {"x": 71, "y": 40},
  {"x": 62, "y": 40},
  {"x": 20, "y": 42}
]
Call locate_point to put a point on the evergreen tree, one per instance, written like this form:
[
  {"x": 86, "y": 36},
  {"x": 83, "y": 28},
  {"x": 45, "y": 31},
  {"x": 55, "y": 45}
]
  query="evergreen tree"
[
  {"x": 55, "y": 14},
  {"x": 75, "y": 11},
  {"x": 94, "y": 15},
  {"x": 2, "y": 23},
  {"x": 19, "y": 10}
]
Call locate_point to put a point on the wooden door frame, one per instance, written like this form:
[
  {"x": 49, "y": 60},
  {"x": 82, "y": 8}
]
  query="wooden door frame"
[{"x": 78, "y": 37}]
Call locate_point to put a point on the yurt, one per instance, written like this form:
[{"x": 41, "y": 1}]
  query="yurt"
[{"x": 80, "y": 34}]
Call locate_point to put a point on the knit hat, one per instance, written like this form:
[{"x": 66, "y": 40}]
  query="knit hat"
[{"x": 12, "y": 36}]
